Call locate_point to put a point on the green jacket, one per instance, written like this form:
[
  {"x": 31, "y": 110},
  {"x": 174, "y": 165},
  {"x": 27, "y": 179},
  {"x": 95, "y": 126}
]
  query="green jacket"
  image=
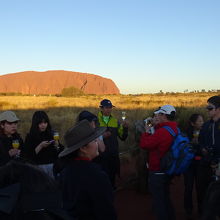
[{"x": 116, "y": 129}]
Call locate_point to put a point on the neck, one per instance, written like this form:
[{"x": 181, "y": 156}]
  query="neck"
[{"x": 8, "y": 135}]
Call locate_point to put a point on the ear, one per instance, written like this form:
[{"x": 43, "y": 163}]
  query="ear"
[
  {"x": 192, "y": 123},
  {"x": 83, "y": 149}
]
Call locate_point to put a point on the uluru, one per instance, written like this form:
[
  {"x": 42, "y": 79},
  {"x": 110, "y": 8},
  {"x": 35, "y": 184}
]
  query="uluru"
[{"x": 54, "y": 81}]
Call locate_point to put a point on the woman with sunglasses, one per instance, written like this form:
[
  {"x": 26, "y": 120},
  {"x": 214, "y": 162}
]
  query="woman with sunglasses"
[{"x": 11, "y": 142}]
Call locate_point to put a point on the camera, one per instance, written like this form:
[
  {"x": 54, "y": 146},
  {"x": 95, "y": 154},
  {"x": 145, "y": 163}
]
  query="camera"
[{"x": 148, "y": 121}]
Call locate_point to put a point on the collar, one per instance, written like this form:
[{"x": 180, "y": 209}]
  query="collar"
[{"x": 82, "y": 158}]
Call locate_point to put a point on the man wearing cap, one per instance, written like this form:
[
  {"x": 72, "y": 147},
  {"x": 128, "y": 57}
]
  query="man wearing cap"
[
  {"x": 10, "y": 141},
  {"x": 209, "y": 141},
  {"x": 158, "y": 144},
  {"x": 87, "y": 191},
  {"x": 110, "y": 158}
]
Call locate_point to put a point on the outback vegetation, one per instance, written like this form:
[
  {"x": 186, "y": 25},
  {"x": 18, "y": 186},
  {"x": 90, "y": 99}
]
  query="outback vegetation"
[{"x": 64, "y": 110}]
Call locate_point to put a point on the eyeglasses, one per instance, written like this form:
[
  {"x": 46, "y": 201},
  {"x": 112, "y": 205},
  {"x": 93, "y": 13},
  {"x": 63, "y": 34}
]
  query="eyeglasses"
[{"x": 210, "y": 108}]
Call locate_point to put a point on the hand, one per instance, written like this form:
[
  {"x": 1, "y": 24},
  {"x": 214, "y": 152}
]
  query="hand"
[
  {"x": 45, "y": 144},
  {"x": 124, "y": 124},
  {"x": 14, "y": 152},
  {"x": 147, "y": 128},
  {"x": 42, "y": 145}
]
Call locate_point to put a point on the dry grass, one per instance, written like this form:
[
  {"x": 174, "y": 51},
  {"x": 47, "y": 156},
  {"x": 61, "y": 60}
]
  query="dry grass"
[{"x": 63, "y": 111}]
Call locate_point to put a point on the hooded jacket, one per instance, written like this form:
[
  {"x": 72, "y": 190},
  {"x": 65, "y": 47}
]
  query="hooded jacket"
[{"x": 158, "y": 143}]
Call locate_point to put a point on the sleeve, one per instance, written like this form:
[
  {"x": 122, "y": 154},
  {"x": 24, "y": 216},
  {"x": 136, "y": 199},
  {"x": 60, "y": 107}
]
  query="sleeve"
[
  {"x": 4, "y": 155},
  {"x": 148, "y": 141},
  {"x": 102, "y": 198},
  {"x": 29, "y": 149},
  {"x": 153, "y": 141},
  {"x": 122, "y": 132},
  {"x": 201, "y": 138}
]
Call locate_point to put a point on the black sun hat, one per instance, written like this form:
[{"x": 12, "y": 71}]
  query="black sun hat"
[{"x": 80, "y": 135}]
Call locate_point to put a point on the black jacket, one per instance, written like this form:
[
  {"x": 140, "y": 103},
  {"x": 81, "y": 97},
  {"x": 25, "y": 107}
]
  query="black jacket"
[
  {"x": 87, "y": 192},
  {"x": 209, "y": 138},
  {"x": 6, "y": 145},
  {"x": 46, "y": 155}
]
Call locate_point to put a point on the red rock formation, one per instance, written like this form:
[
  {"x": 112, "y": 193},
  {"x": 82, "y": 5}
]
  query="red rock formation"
[{"x": 53, "y": 81}]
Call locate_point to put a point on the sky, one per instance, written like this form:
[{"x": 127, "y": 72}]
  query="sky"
[{"x": 144, "y": 46}]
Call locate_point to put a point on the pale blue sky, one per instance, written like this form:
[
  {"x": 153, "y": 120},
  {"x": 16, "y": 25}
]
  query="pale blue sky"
[{"x": 143, "y": 45}]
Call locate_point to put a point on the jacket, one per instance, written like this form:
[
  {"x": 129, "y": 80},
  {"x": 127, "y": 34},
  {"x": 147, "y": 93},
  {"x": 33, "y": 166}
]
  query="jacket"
[
  {"x": 87, "y": 192},
  {"x": 6, "y": 145},
  {"x": 209, "y": 137},
  {"x": 46, "y": 155},
  {"x": 117, "y": 130},
  {"x": 158, "y": 143}
]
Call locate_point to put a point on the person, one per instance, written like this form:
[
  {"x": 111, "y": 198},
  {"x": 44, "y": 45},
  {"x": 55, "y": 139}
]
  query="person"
[
  {"x": 93, "y": 120},
  {"x": 158, "y": 144},
  {"x": 190, "y": 176},
  {"x": 26, "y": 192},
  {"x": 11, "y": 142},
  {"x": 142, "y": 155},
  {"x": 110, "y": 158},
  {"x": 87, "y": 191},
  {"x": 209, "y": 141},
  {"x": 212, "y": 200},
  {"x": 40, "y": 148}
]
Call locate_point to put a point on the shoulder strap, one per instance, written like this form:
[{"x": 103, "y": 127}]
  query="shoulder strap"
[{"x": 170, "y": 130}]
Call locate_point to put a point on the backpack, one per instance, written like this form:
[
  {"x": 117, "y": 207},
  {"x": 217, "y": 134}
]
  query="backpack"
[{"x": 179, "y": 156}]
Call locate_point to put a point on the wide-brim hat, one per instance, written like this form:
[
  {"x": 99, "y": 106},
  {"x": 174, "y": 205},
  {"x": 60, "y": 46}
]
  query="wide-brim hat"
[
  {"x": 9, "y": 116},
  {"x": 80, "y": 135}
]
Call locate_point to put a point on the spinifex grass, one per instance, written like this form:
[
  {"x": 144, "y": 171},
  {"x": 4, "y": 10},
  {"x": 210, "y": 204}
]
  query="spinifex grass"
[{"x": 63, "y": 111}]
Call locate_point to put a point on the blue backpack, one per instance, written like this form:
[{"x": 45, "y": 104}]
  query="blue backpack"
[{"x": 179, "y": 156}]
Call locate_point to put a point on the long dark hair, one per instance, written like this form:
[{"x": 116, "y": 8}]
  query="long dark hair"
[
  {"x": 38, "y": 117},
  {"x": 192, "y": 119}
]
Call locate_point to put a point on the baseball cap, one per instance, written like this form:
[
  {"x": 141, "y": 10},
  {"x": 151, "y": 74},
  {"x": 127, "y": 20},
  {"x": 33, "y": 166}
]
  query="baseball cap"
[
  {"x": 106, "y": 103},
  {"x": 8, "y": 116},
  {"x": 165, "y": 109}
]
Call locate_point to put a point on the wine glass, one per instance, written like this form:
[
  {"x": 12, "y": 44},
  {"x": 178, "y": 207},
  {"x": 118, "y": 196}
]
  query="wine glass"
[
  {"x": 56, "y": 136},
  {"x": 123, "y": 115},
  {"x": 195, "y": 134},
  {"x": 15, "y": 144}
]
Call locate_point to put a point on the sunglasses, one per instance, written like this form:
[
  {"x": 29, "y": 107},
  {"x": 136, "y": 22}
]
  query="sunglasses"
[{"x": 210, "y": 108}]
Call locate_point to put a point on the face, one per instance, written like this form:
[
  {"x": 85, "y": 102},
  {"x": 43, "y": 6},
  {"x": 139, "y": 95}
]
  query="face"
[
  {"x": 213, "y": 112},
  {"x": 9, "y": 128},
  {"x": 159, "y": 118},
  {"x": 43, "y": 126},
  {"x": 198, "y": 123},
  {"x": 93, "y": 125},
  {"x": 106, "y": 111},
  {"x": 90, "y": 150}
]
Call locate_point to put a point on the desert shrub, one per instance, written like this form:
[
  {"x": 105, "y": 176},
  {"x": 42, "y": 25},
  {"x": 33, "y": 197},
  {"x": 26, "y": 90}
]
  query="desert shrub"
[{"x": 71, "y": 91}]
